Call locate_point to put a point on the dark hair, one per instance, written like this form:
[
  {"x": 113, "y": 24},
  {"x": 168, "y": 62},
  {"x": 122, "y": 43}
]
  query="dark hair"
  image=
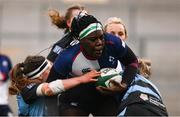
[
  {"x": 32, "y": 62},
  {"x": 18, "y": 74},
  {"x": 81, "y": 22},
  {"x": 60, "y": 20}
]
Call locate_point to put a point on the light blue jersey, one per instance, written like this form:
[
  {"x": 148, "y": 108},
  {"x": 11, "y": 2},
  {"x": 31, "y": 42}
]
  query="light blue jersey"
[
  {"x": 37, "y": 108},
  {"x": 144, "y": 92},
  {"x": 23, "y": 108},
  {"x": 36, "y": 105}
]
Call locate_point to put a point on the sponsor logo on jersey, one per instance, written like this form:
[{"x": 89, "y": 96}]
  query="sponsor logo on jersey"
[
  {"x": 86, "y": 70},
  {"x": 30, "y": 85},
  {"x": 74, "y": 42},
  {"x": 57, "y": 49},
  {"x": 156, "y": 101}
]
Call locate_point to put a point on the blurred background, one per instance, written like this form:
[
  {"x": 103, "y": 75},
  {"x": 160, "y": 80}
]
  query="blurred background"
[{"x": 153, "y": 29}]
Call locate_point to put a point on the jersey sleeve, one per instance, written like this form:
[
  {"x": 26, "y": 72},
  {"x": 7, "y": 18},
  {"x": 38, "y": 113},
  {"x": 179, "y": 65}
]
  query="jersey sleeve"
[
  {"x": 59, "y": 46},
  {"x": 129, "y": 60},
  {"x": 29, "y": 93},
  {"x": 126, "y": 56},
  {"x": 62, "y": 66},
  {"x": 113, "y": 43}
]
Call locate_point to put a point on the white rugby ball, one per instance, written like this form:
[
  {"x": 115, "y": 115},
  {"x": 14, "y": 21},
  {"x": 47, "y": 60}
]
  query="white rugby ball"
[{"x": 108, "y": 74}]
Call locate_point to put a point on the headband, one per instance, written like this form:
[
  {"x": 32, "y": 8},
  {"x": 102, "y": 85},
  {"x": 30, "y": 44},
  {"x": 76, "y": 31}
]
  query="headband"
[
  {"x": 91, "y": 28},
  {"x": 37, "y": 72}
]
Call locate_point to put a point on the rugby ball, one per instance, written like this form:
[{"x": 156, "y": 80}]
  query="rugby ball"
[{"x": 108, "y": 74}]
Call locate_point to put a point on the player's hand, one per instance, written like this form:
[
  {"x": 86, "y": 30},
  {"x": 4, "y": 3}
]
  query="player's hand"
[
  {"x": 115, "y": 88},
  {"x": 46, "y": 90},
  {"x": 90, "y": 76}
]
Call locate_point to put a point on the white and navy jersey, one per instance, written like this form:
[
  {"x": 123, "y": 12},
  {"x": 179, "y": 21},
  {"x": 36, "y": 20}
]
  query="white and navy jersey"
[
  {"x": 36, "y": 103},
  {"x": 67, "y": 40},
  {"x": 73, "y": 61},
  {"x": 5, "y": 66}
]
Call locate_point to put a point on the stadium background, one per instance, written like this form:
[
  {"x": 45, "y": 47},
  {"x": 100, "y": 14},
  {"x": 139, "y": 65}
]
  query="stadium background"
[{"x": 153, "y": 28}]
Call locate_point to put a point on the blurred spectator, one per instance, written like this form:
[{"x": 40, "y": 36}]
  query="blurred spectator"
[
  {"x": 5, "y": 67},
  {"x": 115, "y": 26}
]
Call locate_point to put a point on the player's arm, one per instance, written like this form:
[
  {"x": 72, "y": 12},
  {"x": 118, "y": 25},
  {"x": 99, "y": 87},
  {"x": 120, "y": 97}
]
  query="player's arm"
[
  {"x": 129, "y": 60},
  {"x": 59, "y": 86}
]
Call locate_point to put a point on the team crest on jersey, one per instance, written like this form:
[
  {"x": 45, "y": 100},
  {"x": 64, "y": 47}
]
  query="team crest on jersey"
[{"x": 111, "y": 59}]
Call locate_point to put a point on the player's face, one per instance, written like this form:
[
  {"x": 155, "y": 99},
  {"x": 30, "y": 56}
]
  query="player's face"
[
  {"x": 93, "y": 44},
  {"x": 117, "y": 30}
]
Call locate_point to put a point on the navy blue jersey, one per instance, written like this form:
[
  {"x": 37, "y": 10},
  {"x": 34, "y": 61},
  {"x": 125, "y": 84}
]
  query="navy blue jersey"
[
  {"x": 73, "y": 61},
  {"x": 36, "y": 104},
  {"x": 67, "y": 40}
]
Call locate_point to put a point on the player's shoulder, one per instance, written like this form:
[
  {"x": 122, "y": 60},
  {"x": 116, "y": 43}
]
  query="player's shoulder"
[
  {"x": 72, "y": 49},
  {"x": 65, "y": 40},
  {"x": 69, "y": 53},
  {"x": 109, "y": 38},
  {"x": 113, "y": 40}
]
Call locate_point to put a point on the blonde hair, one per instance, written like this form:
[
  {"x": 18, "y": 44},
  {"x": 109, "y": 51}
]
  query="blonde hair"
[
  {"x": 115, "y": 20},
  {"x": 145, "y": 67}
]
